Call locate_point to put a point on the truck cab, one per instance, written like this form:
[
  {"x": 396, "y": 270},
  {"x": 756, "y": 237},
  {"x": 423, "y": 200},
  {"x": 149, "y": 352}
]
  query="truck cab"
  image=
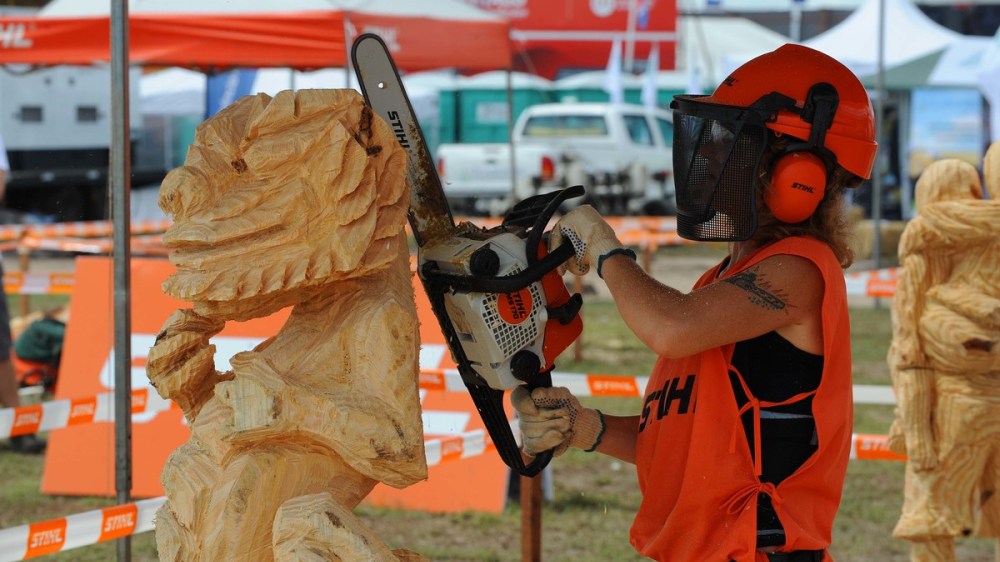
[{"x": 621, "y": 153}]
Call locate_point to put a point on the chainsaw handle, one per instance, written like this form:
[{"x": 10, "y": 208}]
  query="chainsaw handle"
[
  {"x": 541, "y": 460},
  {"x": 505, "y": 284},
  {"x": 537, "y": 465}
]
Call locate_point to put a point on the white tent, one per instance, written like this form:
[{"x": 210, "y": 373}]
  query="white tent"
[
  {"x": 909, "y": 35},
  {"x": 710, "y": 47},
  {"x": 960, "y": 63}
]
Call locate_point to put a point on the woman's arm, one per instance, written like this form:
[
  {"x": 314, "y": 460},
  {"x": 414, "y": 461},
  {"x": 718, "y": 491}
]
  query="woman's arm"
[
  {"x": 620, "y": 433},
  {"x": 781, "y": 293}
]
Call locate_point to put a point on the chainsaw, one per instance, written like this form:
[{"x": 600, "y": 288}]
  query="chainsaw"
[{"x": 502, "y": 305}]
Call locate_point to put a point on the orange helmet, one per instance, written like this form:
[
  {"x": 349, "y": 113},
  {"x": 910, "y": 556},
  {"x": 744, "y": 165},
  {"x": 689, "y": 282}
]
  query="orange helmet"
[
  {"x": 720, "y": 139},
  {"x": 792, "y": 70}
]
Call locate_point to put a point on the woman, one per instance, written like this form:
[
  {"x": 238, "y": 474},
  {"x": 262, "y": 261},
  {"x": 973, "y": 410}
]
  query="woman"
[{"x": 743, "y": 441}]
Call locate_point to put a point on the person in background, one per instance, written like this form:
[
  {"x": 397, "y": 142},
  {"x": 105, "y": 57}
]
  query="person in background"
[
  {"x": 8, "y": 381},
  {"x": 743, "y": 441}
]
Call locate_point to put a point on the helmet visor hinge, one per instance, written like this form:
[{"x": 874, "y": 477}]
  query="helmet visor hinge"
[{"x": 819, "y": 109}]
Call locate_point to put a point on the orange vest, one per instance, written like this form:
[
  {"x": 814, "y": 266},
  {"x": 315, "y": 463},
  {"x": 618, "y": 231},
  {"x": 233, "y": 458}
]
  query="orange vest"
[{"x": 698, "y": 479}]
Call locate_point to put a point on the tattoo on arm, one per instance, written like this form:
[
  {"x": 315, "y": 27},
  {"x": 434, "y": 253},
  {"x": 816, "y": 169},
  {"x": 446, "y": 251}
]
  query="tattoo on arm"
[{"x": 759, "y": 290}]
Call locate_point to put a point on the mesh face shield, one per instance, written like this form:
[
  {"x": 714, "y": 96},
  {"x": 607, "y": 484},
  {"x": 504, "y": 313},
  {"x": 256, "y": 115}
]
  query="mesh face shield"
[{"x": 717, "y": 152}]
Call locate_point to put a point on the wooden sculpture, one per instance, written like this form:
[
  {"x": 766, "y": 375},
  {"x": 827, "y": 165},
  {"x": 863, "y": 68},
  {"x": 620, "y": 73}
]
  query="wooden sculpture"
[
  {"x": 945, "y": 360},
  {"x": 298, "y": 200}
]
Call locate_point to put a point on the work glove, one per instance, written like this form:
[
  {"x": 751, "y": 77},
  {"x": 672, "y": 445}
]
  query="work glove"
[
  {"x": 552, "y": 418},
  {"x": 592, "y": 238}
]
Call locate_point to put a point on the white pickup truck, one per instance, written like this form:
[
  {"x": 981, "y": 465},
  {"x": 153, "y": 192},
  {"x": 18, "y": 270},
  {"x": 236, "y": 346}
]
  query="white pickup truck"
[{"x": 620, "y": 152}]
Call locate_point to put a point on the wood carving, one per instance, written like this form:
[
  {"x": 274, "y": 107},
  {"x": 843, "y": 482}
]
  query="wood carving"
[
  {"x": 298, "y": 200},
  {"x": 945, "y": 360}
]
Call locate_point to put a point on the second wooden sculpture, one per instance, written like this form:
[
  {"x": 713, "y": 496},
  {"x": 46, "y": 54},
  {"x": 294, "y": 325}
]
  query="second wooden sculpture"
[
  {"x": 298, "y": 200},
  {"x": 945, "y": 360}
]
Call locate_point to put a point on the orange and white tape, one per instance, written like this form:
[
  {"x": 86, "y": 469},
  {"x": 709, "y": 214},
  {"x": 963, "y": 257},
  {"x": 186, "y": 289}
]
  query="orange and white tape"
[
  {"x": 16, "y": 283},
  {"x": 57, "y": 414},
  {"x": 147, "y": 244},
  {"x": 621, "y": 386},
  {"x": 75, "y": 531},
  {"x": 873, "y": 448},
  {"x": 874, "y": 283},
  {"x": 453, "y": 447},
  {"x": 79, "y": 229},
  {"x": 92, "y": 527},
  {"x": 579, "y": 384}
]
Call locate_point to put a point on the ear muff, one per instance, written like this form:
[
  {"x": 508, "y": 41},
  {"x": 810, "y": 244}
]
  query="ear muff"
[{"x": 798, "y": 184}]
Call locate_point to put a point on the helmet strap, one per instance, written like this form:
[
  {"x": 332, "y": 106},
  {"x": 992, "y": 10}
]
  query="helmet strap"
[{"x": 819, "y": 109}]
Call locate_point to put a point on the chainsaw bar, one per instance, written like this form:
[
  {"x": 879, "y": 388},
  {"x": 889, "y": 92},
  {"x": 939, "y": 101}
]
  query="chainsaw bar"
[
  {"x": 430, "y": 215},
  {"x": 431, "y": 219}
]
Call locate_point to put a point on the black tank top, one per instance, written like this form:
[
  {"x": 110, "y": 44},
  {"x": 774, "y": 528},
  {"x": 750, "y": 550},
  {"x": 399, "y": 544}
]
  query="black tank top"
[{"x": 775, "y": 370}]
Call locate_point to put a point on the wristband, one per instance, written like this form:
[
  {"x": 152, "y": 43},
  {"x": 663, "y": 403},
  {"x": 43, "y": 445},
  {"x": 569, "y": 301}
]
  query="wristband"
[
  {"x": 623, "y": 251},
  {"x": 600, "y": 434}
]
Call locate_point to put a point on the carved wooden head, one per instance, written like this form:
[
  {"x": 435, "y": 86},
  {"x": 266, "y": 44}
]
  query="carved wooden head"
[
  {"x": 948, "y": 180},
  {"x": 279, "y": 196}
]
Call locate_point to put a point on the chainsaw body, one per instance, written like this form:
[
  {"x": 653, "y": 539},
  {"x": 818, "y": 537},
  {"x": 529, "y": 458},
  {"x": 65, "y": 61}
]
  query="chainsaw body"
[{"x": 510, "y": 334}]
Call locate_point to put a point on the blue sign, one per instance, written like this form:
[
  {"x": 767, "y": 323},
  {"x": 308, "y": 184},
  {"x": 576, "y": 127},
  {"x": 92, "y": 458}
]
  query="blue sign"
[{"x": 225, "y": 88}]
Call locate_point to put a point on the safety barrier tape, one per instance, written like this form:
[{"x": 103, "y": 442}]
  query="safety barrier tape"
[
  {"x": 92, "y": 527},
  {"x": 872, "y": 283},
  {"x": 75, "y": 531},
  {"x": 879, "y": 283},
  {"x": 96, "y": 229},
  {"x": 873, "y": 448},
  {"x": 60, "y": 283},
  {"x": 57, "y": 414},
  {"x": 586, "y": 384},
  {"x": 146, "y": 244},
  {"x": 647, "y": 233},
  {"x": 85, "y": 229}
]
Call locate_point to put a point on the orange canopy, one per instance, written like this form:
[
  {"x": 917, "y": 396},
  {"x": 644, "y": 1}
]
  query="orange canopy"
[{"x": 302, "y": 40}]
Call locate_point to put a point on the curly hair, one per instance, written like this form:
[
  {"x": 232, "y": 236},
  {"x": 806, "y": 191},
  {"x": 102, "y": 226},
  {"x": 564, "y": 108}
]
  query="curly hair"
[{"x": 829, "y": 223}]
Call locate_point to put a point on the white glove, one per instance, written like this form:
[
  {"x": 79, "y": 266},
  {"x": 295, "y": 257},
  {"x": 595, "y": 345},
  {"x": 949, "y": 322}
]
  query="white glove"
[
  {"x": 552, "y": 418},
  {"x": 590, "y": 236}
]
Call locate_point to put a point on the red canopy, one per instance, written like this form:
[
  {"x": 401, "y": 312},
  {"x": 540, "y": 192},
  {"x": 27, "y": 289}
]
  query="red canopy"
[
  {"x": 303, "y": 40},
  {"x": 554, "y": 36}
]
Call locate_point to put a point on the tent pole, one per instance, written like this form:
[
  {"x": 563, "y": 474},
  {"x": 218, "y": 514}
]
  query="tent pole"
[
  {"x": 877, "y": 176},
  {"x": 795, "y": 21},
  {"x": 510, "y": 135},
  {"x": 347, "y": 49},
  {"x": 119, "y": 186},
  {"x": 630, "y": 36}
]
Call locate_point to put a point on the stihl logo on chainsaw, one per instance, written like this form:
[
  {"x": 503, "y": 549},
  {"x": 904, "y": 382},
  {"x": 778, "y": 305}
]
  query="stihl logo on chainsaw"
[
  {"x": 398, "y": 129},
  {"x": 514, "y": 308},
  {"x": 12, "y": 36}
]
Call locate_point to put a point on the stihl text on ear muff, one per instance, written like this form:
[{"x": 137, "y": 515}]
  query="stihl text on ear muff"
[{"x": 798, "y": 184}]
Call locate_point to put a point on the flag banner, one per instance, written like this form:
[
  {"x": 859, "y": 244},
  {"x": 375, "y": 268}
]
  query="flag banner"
[{"x": 613, "y": 84}]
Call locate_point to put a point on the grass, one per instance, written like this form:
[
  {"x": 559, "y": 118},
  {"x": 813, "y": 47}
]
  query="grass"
[{"x": 595, "y": 497}]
